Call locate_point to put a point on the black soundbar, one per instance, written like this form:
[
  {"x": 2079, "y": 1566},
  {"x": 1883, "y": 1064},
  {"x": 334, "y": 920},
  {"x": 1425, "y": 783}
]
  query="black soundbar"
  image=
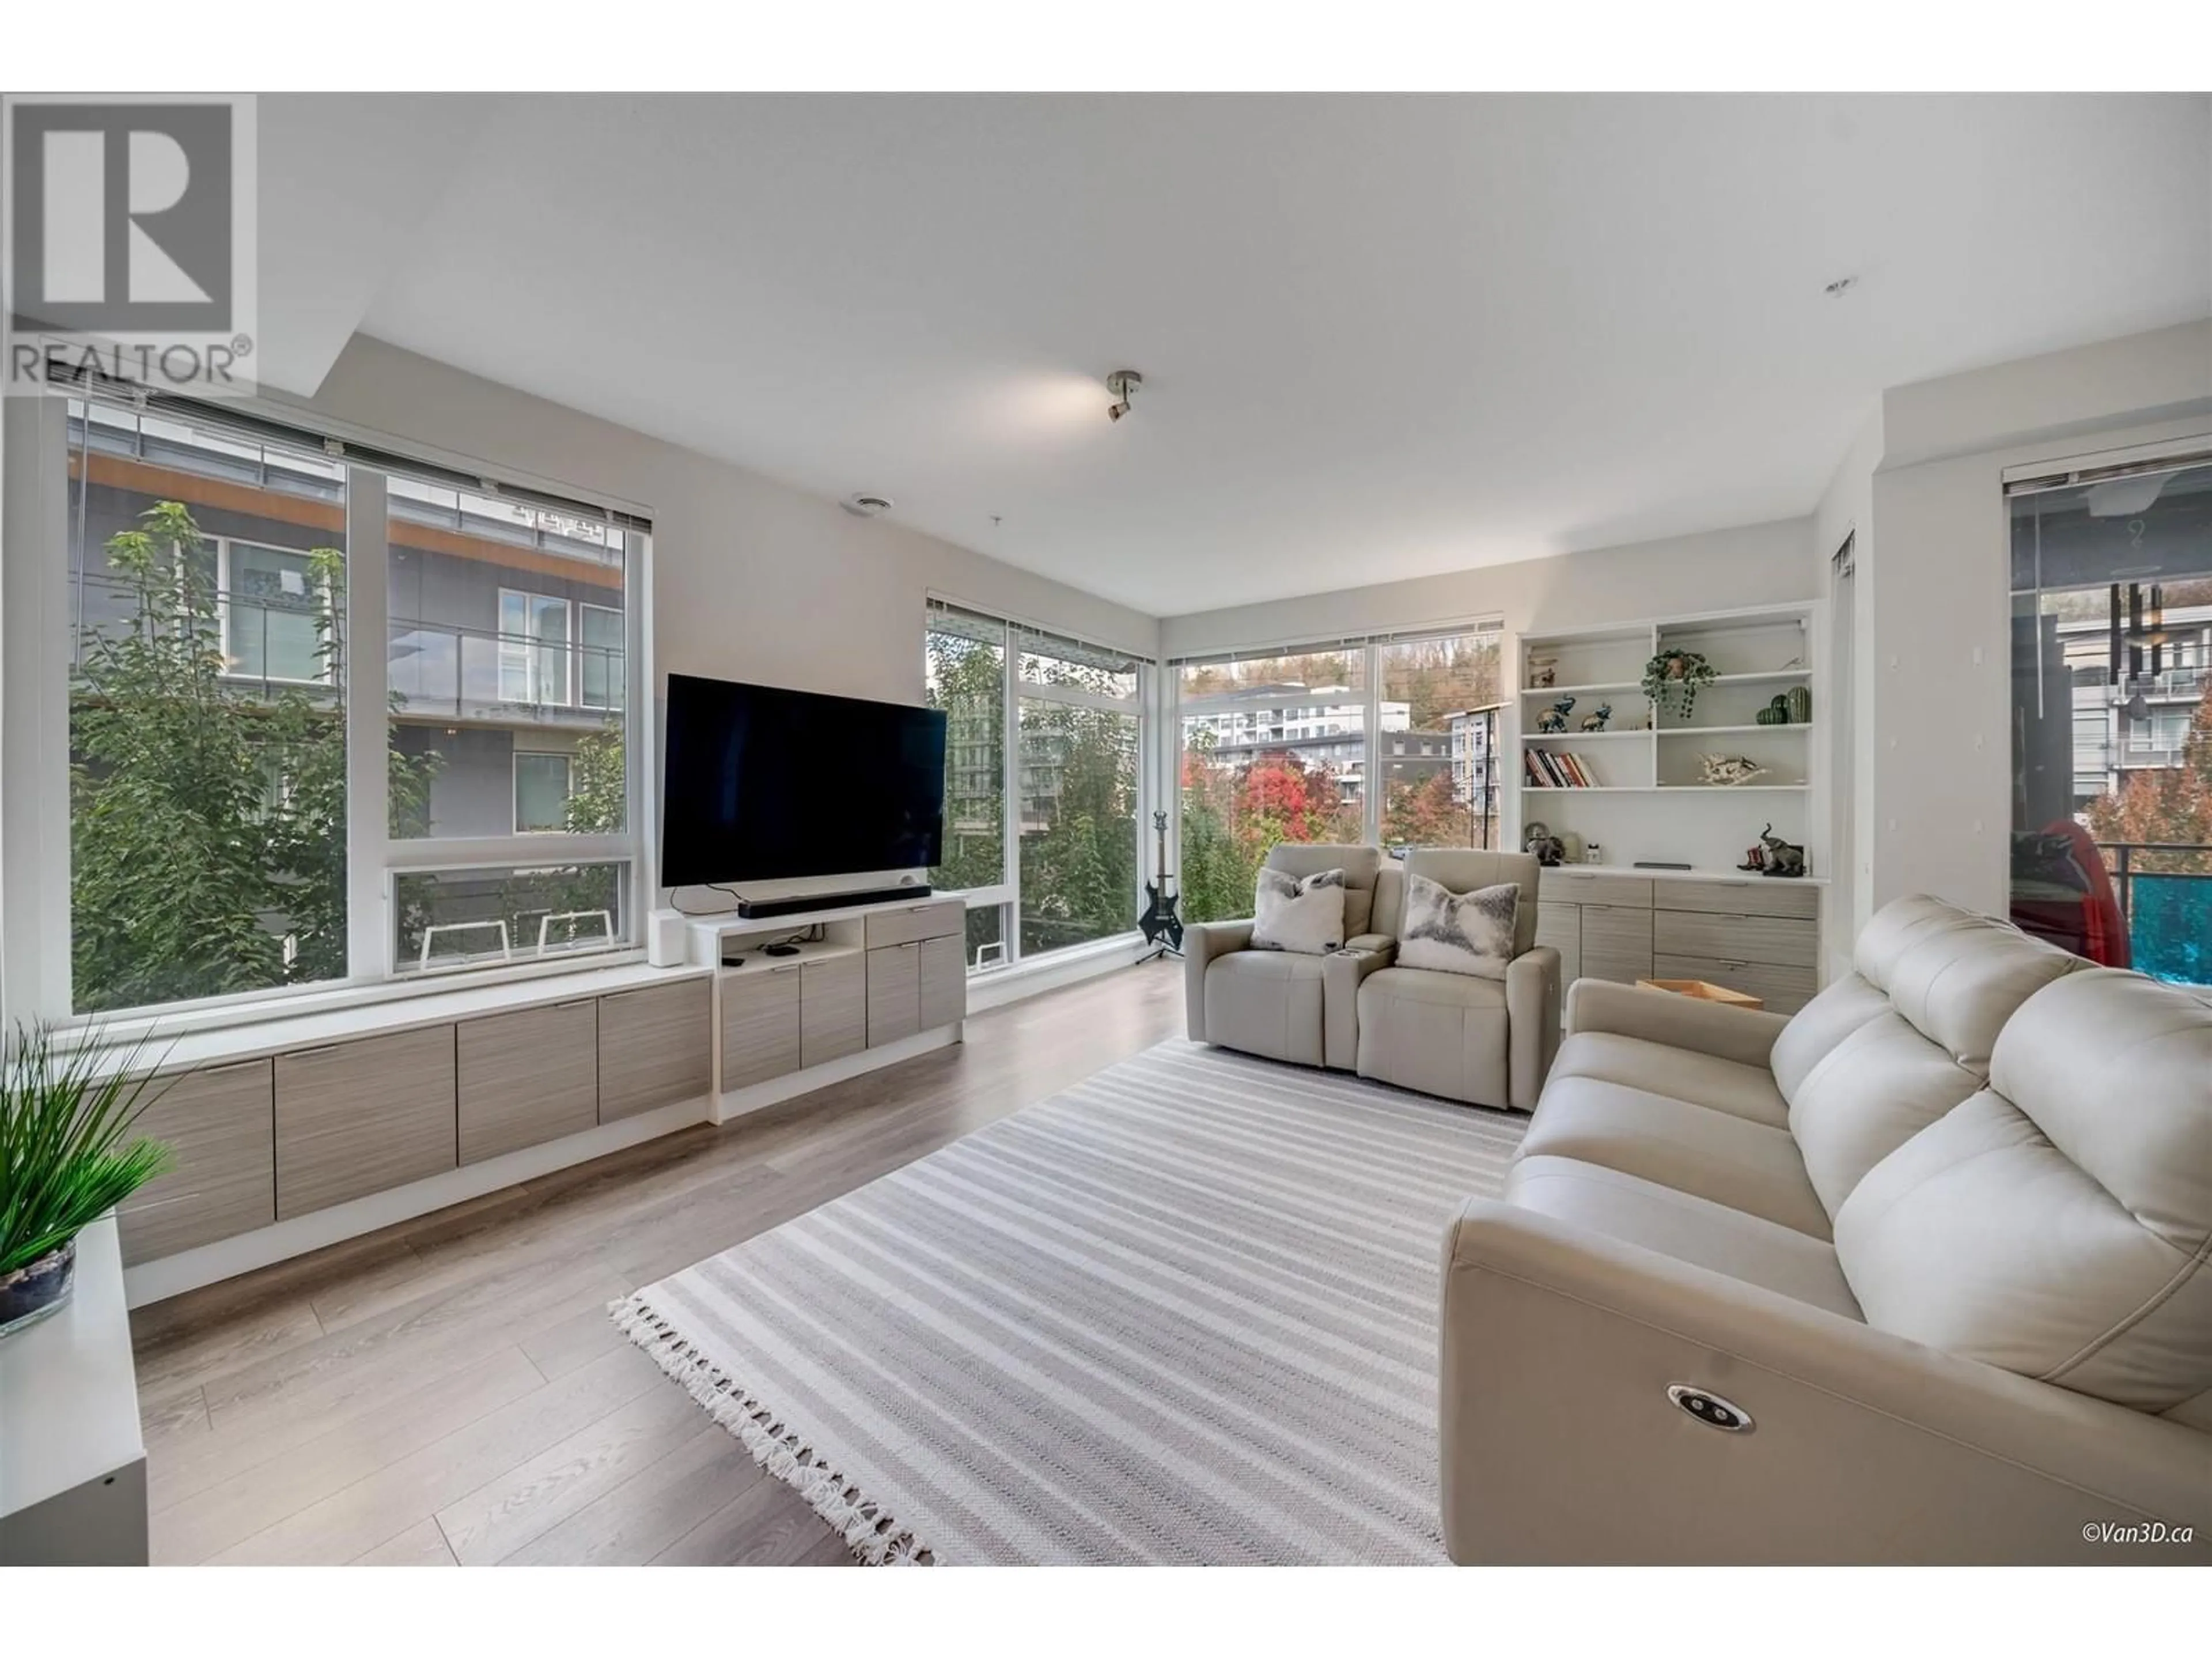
[{"x": 761, "y": 909}]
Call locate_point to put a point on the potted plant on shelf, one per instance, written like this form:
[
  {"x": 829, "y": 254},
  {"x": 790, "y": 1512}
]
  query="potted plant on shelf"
[
  {"x": 1675, "y": 676},
  {"x": 69, "y": 1153}
]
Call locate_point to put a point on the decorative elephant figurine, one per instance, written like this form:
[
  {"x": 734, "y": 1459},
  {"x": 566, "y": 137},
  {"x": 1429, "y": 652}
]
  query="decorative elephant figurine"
[
  {"x": 1596, "y": 722},
  {"x": 1783, "y": 858},
  {"x": 1554, "y": 718}
]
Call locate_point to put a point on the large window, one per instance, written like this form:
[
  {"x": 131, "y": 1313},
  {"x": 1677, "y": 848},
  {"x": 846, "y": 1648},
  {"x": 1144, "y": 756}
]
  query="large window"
[
  {"x": 1040, "y": 833},
  {"x": 2111, "y": 842},
  {"x": 964, "y": 674},
  {"x": 1439, "y": 787},
  {"x": 207, "y": 767},
  {"x": 1286, "y": 745},
  {"x": 248, "y": 801}
]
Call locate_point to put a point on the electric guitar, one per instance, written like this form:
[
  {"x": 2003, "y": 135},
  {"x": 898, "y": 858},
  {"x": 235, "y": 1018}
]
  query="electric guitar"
[{"x": 1159, "y": 922}]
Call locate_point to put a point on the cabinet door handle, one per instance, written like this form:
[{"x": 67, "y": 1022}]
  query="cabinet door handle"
[
  {"x": 309, "y": 1054},
  {"x": 236, "y": 1065},
  {"x": 581, "y": 1002}
]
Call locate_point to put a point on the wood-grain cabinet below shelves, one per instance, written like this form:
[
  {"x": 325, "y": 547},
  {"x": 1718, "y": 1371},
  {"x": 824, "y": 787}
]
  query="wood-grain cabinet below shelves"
[
  {"x": 917, "y": 970},
  {"x": 916, "y": 988},
  {"x": 1756, "y": 935},
  {"x": 527, "y": 1077},
  {"x": 761, "y": 1036},
  {"x": 222, "y": 1173},
  {"x": 356, "y": 1118},
  {"x": 832, "y": 1008},
  {"x": 656, "y": 1048}
]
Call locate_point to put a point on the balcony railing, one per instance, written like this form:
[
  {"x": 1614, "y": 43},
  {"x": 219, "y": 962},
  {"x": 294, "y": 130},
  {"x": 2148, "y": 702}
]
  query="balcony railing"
[
  {"x": 2165, "y": 891},
  {"x": 274, "y": 643},
  {"x": 481, "y": 674}
]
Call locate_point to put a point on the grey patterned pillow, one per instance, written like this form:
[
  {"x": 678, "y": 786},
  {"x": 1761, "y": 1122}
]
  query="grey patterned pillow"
[
  {"x": 1458, "y": 932},
  {"x": 1306, "y": 917}
]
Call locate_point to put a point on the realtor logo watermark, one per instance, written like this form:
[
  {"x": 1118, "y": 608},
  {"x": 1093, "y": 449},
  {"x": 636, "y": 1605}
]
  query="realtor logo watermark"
[{"x": 129, "y": 241}]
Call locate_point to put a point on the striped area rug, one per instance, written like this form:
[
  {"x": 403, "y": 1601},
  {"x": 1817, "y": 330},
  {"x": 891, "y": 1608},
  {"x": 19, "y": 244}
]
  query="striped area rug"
[{"x": 1184, "y": 1312}]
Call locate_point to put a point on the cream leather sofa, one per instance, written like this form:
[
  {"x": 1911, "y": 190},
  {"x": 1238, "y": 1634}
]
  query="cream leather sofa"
[
  {"x": 1281, "y": 1004},
  {"x": 1943, "y": 1237},
  {"x": 1484, "y": 1041}
]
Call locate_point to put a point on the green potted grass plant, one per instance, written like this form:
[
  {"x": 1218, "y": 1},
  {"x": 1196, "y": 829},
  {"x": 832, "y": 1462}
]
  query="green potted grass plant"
[{"x": 70, "y": 1152}]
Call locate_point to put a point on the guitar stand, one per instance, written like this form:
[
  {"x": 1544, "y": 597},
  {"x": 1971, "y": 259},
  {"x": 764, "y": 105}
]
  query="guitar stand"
[{"x": 1162, "y": 948}]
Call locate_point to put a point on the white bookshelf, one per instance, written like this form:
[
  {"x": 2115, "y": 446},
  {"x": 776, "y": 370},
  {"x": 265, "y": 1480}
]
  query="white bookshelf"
[{"x": 1646, "y": 800}]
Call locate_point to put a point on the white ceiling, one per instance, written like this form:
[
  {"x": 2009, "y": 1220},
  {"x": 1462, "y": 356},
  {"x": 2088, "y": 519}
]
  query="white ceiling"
[{"x": 1381, "y": 336}]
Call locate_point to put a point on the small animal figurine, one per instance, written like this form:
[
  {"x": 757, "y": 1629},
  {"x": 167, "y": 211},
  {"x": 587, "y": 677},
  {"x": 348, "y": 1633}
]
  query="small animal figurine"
[
  {"x": 1754, "y": 859},
  {"x": 1730, "y": 768},
  {"x": 1554, "y": 718},
  {"x": 1549, "y": 849},
  {"x": 1783, "y": 858},
  {"x": 1596, "y": 722}
]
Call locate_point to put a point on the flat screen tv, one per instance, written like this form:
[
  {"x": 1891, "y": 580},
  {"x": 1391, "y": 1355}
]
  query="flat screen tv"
[{"x": 763, "y": 783}]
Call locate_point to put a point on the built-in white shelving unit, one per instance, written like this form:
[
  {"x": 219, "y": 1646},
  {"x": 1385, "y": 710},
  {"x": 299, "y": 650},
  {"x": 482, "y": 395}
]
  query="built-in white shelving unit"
[{"x": 1646, "y": 798}]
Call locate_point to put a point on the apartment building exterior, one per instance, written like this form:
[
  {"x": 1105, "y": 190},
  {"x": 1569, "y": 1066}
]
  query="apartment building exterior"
[{"x": 506, "y": 631}]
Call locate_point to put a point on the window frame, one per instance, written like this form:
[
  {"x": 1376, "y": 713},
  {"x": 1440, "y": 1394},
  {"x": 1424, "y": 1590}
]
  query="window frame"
[{"x": 36, "y": 661}]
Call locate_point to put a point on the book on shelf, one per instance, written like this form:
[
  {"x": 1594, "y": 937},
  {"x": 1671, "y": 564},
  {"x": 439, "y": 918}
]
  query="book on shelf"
[{"x": 1550, "y": 769}]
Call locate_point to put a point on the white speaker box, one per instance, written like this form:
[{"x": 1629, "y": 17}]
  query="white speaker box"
[{"x": 664, "y": 939}]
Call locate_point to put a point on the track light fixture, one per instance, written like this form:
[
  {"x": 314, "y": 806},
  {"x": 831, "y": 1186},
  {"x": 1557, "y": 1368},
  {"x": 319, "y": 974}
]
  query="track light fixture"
[{"x": 1123, "y": 384}]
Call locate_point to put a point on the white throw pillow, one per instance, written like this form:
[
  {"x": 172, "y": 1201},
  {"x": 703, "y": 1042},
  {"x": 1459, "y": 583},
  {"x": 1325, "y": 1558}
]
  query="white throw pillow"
[
  {"x": 1306, "y": 917},
  {"x": 1458, "y": 932}
]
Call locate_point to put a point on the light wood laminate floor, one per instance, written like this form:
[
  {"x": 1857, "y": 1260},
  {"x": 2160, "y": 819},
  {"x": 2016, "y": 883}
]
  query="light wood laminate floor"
[{"x": 451, "y": 1390}]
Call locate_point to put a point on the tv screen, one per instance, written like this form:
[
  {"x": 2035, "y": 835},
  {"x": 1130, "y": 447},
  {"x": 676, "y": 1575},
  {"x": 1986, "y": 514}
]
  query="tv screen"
[{"x": 763, "y": 783}]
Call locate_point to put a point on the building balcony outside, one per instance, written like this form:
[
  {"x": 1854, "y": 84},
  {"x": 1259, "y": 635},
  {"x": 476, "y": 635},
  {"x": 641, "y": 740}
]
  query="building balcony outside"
[{"x": 482, "y": 676}]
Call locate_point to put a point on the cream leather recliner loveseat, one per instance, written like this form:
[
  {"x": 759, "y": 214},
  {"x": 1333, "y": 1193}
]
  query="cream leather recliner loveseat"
[
  {"x": 1943, "y": 1240},
  {"x": 1486, "y": 1041}
]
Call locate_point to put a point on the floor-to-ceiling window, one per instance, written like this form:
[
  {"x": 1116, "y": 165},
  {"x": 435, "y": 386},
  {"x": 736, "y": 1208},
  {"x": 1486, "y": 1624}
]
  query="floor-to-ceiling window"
[
  {"x": 329, "y": 719},
  {"x": 1040, "y": 830},
  {"x": 1348, "y": 740},
  {"x": 2111, "y": 844}
]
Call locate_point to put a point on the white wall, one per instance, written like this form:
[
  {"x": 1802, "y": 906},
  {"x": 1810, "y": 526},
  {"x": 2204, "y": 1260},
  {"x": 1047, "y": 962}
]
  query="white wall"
[
  {"x": 751, "y": 580},
  {"x": 1935, "y": 760},
  {"x": 2144, "y": 377},
  {"x": 1751, "y": 565},
  {"x": 1846, "y": 509}
]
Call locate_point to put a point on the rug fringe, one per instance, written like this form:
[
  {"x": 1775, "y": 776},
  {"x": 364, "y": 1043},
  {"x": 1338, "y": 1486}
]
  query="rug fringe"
[{"x": 869, "y": 1531}]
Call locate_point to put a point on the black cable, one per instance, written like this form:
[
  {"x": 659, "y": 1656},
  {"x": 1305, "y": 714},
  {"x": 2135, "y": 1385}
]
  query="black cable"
[{"x": 712, "y": 887}]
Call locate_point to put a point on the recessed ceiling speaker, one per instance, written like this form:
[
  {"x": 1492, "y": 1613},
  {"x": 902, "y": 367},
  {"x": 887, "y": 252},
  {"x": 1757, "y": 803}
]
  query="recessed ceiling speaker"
[{"x": 867, "y": 507}]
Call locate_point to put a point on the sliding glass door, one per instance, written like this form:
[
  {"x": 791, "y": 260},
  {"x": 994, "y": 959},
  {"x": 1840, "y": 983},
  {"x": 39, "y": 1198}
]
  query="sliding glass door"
[{"x": 2112, "y": 845}]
